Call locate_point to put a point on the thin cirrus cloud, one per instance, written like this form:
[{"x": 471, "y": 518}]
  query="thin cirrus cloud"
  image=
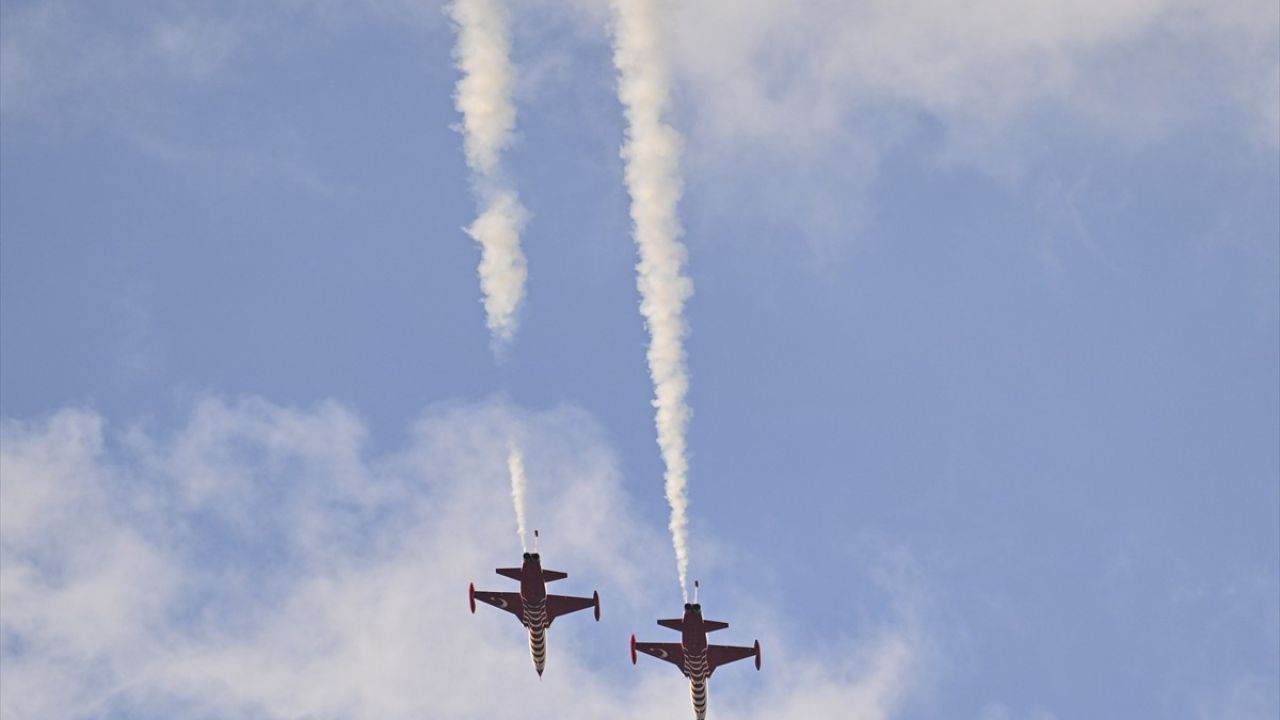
[
  {"x": 789, "y": 109},
  {"x": 797, "y": 75},
  {"x": 773, "y": 76},
  {"x": 61, "y": 59},
  {"x": 260, "y": 561}
]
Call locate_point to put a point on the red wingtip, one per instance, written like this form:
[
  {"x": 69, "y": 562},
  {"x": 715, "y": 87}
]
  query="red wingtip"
[
  {"x": 595, "y": 599},
  {"x": 471, "y": 596},
  {"x": 633, "y": 649},
  {"x": 757, "y": 655}
]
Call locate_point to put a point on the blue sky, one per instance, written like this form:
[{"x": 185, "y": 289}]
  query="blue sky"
[{"x": 984, "y": 359}]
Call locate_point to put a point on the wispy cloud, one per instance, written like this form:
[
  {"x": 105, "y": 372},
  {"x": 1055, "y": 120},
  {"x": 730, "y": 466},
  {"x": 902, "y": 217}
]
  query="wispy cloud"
[
  {"x": 69, "y": 67},
  {"x": 260, "y": 561},
  {"x": 1246, "y": 697},
  {"x": 282, "y": 159},
  {"x": 61, "y": 55},
  {"x": 799, "y": 74},
  {"x": 809, "y": 98}
]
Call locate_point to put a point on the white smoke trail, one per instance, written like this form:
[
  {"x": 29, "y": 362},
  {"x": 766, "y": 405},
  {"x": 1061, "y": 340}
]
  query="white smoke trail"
[
  {"x": 484, "y": 97},
  {"x": 515, "y": 464},
  {"x": 652, "y": 154}
]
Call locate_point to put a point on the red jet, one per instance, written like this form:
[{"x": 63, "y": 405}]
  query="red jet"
[
  {"x": 695, "y": 658},
  {"x": 532, "y": 605}
]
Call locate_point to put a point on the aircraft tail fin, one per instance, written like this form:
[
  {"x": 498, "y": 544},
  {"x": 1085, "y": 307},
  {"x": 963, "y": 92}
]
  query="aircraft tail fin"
[
  {"x": 713, "y": 625},
  {"x": 514, "y": 573},
  {"x": 676, "y": 624},
  {"x": 550, "y": 575}
]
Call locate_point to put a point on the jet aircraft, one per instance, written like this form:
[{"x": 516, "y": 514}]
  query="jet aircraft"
[
  {"x": 535, "y": 609},
  {"x": 695, "y": 658}
]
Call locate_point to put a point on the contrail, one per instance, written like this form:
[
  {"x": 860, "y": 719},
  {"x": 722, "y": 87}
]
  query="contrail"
[
  {"x": 652, "y": 154},
  {"x": 515, "y": 463},
  {"x": 484, "y": 97}
]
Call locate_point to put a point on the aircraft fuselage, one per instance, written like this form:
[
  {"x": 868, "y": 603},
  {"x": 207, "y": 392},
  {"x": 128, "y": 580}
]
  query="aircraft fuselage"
[
  {"x": 533, "y": 599},
  {"x": 693, "y": 641}
]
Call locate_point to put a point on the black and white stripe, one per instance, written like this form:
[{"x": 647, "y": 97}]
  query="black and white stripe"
[
  {"x": 535, "y": 618},
  {"x": 695, "y": 666}
]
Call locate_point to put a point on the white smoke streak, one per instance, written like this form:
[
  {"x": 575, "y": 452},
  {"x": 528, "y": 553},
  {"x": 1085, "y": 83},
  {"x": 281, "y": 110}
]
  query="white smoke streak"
[
  {"x": 515, "y": 464},
  {"x": 652, "y": 154},
  {"x": 484, "y": 97},
  {"x": 502, "y": 264}
]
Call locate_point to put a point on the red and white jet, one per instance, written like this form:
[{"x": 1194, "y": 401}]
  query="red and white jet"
[
  {"x": 532, "y": 605},
  {"x": 695, "y": 658}
]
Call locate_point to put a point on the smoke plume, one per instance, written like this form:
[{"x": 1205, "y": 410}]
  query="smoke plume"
[
  {"x": 515, "y": 464},
  {"x": 651, "y": 153},
  {"x": 484, "y": 98}
]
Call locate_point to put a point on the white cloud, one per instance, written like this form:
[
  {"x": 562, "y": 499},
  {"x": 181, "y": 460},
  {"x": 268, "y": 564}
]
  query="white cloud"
[
  {"x": 790, "y": 109},
  {"x": 62, "y": 52},
  {"x": 798, "y": 75},
  {"x": 262, "y": 561},
  {"x": 267, "y": 158},
  {"x": 1248, "y": 697},
  {"x": 56, "y": 52},
  {"x": 75, "y": 584},
  {"x": 71, "y": 65},
  {"x": 808, "y": 98},
  {"x": 778, "y": 77}
]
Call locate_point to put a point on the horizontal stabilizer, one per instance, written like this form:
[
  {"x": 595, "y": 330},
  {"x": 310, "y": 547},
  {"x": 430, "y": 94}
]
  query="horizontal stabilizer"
[
  {"x": 713, "y": 625},
  {"x": 676, "y": 624},
  {"x": 514, "y": 573},
  {"x": 549, "y": 575}
]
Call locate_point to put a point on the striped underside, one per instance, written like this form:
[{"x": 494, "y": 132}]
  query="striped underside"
[
  {"x": 695, "y": 666},
  {"x": 535, "y": 618}
]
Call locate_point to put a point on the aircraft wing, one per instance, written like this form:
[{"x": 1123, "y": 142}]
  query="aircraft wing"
[
  {"x": 558, "y": 605},
  {"x": 671, "y": 652},
  {"x": 718, "y": 655},
  {"x": 502, "y": 600}
]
